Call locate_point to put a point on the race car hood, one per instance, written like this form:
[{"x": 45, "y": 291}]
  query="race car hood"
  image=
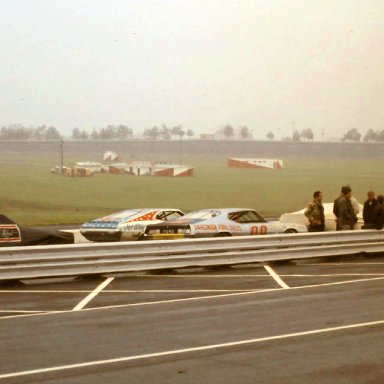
[{"x": 116, "y": 220}]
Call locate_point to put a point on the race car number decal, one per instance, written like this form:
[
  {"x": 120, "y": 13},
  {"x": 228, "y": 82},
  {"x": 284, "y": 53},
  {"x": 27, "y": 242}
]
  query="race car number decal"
[{"x": 262, "y": 230}]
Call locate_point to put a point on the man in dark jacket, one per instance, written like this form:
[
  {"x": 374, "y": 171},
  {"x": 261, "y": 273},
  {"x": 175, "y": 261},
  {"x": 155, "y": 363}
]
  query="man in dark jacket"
[
  {"x": 369, "y": 207},
  {"x": 343, "y": 210},
  {"x": 315, "y": 213},
  {"x": 377, "y": 215}
]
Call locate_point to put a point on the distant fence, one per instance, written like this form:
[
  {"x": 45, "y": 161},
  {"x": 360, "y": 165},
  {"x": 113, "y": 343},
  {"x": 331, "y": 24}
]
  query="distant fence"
[{"x": 107, "y": 258}]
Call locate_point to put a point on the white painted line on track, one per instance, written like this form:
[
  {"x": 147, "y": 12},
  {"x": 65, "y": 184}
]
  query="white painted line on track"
[
  {"x": 259, "y": 275},
  {"x": 276, "y": 277},
  {"x": 139, "y": 291},
  {"x": 93, "y": 294},
  {"x": 199, "y": 298},
  {"x": 17, "y": 311},
  {"x": 207, "y": 276},
  {"x": 190, "y": 350},
  {"x": 341, "y": 263},
  {"x": 333, "y": 275}
]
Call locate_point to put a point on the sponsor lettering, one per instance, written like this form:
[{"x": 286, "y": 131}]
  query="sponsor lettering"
[
  {"x": 133, "y": 227},
  {"x": 206, "y": 227}
]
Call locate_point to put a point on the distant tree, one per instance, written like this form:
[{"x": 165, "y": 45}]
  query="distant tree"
[
  {"x": 296, "y": 135},
  {"x": 151, "y": 133},
  {"x": 371, "y": 136},
  {"x": 190, "y": 133},
  {"x": 18, "y": 132},
  {"x": 270, "y": 135},
  {"x": 94, "y": 135},
  {"x": 52, "y": 134},
  {"x": 307, "y": 134},
  {"x": 352, "y": 135},
  {"x": 104, "y": 134},
  {"x": 244, "y": 132},
  {"x": 178, "y": 131},
  {"x": 121, "y": 132},
  {"x": 39, "y": 132},
  {"x": 228, "y": 131},
  {"x": 380, "y": 136},
  {"x": 84, "y": 135},
  {"x": 165, "y": 132},
  {"x": 76, "y": 134}
]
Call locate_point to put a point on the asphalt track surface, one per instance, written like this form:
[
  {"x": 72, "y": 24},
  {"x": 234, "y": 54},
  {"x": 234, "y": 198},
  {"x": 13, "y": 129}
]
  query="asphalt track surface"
[{"x": 299, "y": 322}]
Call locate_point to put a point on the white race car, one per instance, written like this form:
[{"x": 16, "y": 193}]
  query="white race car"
[
  {"x": 126, "y": 225},
  {"x": 220, "y": 222},
  {"x": 330, "y": 219}
]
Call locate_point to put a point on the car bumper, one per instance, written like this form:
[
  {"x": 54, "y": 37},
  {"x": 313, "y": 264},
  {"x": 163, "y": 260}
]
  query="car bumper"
[{"x": 101, "y": 235}]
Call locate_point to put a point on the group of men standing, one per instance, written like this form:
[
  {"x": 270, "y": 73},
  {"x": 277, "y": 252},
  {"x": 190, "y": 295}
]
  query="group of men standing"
[{"x": 345, "y": 209}]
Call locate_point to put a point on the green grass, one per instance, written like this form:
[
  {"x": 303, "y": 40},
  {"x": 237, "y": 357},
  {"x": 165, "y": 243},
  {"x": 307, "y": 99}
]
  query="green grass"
[{"x": 31, "y": 195}]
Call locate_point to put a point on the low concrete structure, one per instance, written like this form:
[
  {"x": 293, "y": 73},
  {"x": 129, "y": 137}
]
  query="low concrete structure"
[
  {"x": 255, "y": 163},
  {"x": 147, "y": 168}
]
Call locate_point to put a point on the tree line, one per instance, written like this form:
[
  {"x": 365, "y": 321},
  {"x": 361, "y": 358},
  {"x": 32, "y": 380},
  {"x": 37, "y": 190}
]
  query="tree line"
[
  {"x": 110, "y": 132},
  {"x": 19, "y": 132},
  {"x": 163, "y": 132},
  {"x": 352, "y": 135}
]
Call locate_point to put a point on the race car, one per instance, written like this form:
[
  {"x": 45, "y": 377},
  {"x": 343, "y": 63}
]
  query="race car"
[
  {"x": 13, "y": 234},
  {"x": 126, "y": 225},
  {"x": 330, "y": 219},
  {"x": 220, "y": 222}
]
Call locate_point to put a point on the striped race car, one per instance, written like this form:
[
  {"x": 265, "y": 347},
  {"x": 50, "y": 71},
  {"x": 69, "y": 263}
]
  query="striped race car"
[
  {"x": 220, "y": 222},
  {"x": 126, "y": 225}
]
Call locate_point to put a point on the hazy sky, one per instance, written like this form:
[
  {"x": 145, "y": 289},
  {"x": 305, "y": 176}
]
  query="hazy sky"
[{"x": 268, "y": 64}]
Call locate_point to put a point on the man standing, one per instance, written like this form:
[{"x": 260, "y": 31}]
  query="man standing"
[
  {"x": 343, "y": 210},
  {"x": 315, "y": 213},
  {"x": 377, "y": 219},
  {"x": 369, "y": 208}
]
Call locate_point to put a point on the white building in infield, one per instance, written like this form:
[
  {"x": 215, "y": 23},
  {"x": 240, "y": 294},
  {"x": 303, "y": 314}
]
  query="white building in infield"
[
  {"x": 255, "y": 163},
  {"x": 110, "y": 156}
]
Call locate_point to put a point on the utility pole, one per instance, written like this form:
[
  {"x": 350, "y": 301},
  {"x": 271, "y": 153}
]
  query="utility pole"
[
  {"x": 181, "y": 149},
  {"x": 62, "y": 156}
]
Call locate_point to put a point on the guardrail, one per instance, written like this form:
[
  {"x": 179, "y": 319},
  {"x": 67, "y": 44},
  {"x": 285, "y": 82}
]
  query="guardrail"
[{"x": 103, "y": 258}]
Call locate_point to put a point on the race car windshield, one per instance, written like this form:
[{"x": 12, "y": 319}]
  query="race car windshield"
[
  {"x": 201, "y": 215},
  {"x": 246, "y": 217},
  {"x": 169, "y": 215}
]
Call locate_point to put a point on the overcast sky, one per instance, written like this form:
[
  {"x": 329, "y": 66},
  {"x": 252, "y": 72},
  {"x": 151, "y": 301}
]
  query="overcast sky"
[{"x": 267, "y": 64}]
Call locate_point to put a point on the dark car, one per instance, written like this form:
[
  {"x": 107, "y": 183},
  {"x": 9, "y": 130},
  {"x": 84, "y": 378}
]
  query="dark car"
[{"x": 12, "y": 234}]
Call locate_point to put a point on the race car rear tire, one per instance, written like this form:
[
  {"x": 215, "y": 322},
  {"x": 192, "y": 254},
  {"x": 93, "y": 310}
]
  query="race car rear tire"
[{"x": 290, "y": 230}]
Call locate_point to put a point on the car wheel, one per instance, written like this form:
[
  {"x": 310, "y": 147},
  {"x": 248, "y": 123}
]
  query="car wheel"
[
  {"x": 290, "y": 230},
  {"x": 223, "y": 234}
]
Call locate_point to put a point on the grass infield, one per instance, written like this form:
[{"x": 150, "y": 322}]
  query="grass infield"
[{"x": 31, "y": 195}]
